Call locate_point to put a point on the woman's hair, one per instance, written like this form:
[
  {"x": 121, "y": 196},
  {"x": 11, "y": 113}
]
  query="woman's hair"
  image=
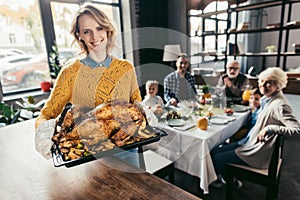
[
  {"x": 275, "y": 74},
  {"x": 151, "y": 82},
  {"x": 101, "y": 18}
]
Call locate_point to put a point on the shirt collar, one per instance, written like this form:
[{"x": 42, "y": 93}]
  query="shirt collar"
[
  {"x": 178, "y": 76},
  {"x": 88, "y": 61},
  {"x": 264, "y": 100}
]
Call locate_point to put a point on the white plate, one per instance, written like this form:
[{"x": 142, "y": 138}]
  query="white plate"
[
  {"x": 175, "y": 122},
  {"x": 240, "y": 108},
  {"x": 218, "y": 120},
  {"x": 230, "y": 118}
]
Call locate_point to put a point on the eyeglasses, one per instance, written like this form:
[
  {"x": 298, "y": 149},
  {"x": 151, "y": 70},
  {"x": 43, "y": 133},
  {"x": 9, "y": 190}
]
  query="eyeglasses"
[{"x": 232, "y": 68}]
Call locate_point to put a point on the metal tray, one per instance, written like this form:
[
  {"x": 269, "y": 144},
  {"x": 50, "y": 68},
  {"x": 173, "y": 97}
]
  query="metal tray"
[{"x": 58, "y": 160}]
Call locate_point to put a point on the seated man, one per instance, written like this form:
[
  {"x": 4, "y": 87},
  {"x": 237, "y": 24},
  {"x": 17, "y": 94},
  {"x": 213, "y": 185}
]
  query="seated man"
[
  {"x": 234, "y": 82},
  {"x": 180, "y": 84}
]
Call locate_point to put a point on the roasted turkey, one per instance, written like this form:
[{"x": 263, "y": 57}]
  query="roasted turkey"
[{"x": 114, "y": 124}]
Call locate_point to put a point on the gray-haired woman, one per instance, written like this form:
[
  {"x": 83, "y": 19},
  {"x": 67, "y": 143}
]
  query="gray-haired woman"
[{"x": 275, "y": 117}]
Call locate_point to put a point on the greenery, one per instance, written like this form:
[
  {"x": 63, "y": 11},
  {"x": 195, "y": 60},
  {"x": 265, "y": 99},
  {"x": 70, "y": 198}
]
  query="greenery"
[
  {"x": 55, "y": 65},
  {"x": 271, "y": 47},
  {"x": 205, "y": 89},
  {"x": 28, "y": 109},
  {"x": 8, "y": 115}
]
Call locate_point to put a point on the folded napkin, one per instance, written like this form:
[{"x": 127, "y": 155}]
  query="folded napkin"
[{"x": 185, "y": 127}]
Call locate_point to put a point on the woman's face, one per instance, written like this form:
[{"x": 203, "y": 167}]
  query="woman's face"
[
  {"x": 267, "y": 87},
  {"x": 92, "y": 33},
  {"x": 254, "y": 101},
  {"x": 152, "y": 90}
]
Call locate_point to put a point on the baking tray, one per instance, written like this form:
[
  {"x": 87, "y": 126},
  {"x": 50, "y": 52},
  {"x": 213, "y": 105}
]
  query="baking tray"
[{"x": 58, "y": 160}]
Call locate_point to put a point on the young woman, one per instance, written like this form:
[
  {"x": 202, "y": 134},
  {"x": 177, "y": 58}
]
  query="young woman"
[{"x": 93, "y": 80}]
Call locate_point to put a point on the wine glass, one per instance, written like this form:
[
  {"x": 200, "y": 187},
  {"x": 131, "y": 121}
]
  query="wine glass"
[{"x": 219, "y": 92}]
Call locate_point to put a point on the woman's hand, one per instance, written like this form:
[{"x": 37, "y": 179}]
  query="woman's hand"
[
  {"x": 43, "y": 138},
  {"x": 262, "y": 134}
]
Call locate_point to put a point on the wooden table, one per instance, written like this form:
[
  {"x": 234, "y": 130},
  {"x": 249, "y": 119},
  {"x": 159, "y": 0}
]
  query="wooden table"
[{"x": 26, "y": 175}]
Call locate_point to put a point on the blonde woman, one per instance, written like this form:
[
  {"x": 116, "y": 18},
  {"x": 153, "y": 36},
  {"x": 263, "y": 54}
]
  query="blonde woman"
[{"x": 93, "y": 80}]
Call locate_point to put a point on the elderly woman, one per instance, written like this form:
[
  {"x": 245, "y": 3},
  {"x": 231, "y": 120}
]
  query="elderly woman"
[{"x": 275, "y": 117}]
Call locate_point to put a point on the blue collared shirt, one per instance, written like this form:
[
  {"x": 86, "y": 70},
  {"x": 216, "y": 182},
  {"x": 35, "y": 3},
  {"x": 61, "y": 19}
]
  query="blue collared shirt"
[
  {"x": 263, "y": 101},
  {"x": 88, "y": 61}
]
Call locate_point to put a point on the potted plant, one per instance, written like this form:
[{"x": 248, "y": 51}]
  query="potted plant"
[
  {"x": 8, "y": 115},
  {"x": 46, "y": 86},
  {"x": 271, "y": 48},
  {"x": 55, "y": 65}
]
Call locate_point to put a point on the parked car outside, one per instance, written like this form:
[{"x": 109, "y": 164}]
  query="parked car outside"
[
  {"x": 10, "y": 52},
  {"x": 11, "y": 62},
  {"x": 27, "y": 74},
  {"x": 31, "y": 73}
]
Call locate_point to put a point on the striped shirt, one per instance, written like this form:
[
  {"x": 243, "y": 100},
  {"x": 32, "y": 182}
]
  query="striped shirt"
[{"x": 172, "y": 86}]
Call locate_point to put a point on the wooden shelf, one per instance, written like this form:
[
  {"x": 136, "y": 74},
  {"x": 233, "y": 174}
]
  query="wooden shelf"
[
  {"x": 208, "y": 54},
  {"x": 210, "y": 34},
  {"x": 256, "y": 6},
  {"x": 280, "y": 29},
  {"x": 259, "y": 30},
  {"x": 267, "y": 54},
  {"x": 208, "y": 14}
]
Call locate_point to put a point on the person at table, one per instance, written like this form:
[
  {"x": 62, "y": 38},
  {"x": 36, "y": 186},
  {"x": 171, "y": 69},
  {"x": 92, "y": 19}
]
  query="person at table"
[
  {"x": 153, "y": 101},
  {"x": 254, "y": 103},
  {"x": 234, "y": 82},
  {"x": 180, "y": 84},
  {"x": 275, "y": 117},
  {"x": 97, "y": 78}
]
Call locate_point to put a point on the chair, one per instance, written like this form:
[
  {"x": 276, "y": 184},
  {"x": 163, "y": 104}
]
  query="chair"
[
  {"x": 156, "y": 164},
  {"x": 240, "y": 134},
  {"x": 268, "y": 178}
]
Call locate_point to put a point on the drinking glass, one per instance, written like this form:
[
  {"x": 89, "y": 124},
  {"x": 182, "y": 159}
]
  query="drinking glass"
[
  {"x": 246, "y": 93},
  {"x": 220, "y": 94}
]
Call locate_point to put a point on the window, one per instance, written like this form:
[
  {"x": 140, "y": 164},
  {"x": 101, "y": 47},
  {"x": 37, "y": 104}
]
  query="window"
[
  {"x": 22, "y": 38},
  {"x": 208, "y": 38},
  {"x": 27, "y": 38},
  {"x": 12, "y": 38}
]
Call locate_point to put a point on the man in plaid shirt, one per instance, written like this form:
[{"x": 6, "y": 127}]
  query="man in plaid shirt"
[{"x": 180, "y": 84}]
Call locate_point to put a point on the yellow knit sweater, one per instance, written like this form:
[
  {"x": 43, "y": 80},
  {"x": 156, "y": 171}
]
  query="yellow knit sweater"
[{"x": 82, "y": 85}]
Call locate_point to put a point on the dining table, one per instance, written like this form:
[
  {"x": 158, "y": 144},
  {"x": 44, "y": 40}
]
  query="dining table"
[
  {"x": 25, "y": 174},
  {"x": 189, "y": 147}
]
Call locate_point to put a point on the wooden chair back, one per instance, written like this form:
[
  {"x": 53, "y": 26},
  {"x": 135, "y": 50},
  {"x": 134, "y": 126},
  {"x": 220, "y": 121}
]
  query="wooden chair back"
[{"x": 268, "y": 178}]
